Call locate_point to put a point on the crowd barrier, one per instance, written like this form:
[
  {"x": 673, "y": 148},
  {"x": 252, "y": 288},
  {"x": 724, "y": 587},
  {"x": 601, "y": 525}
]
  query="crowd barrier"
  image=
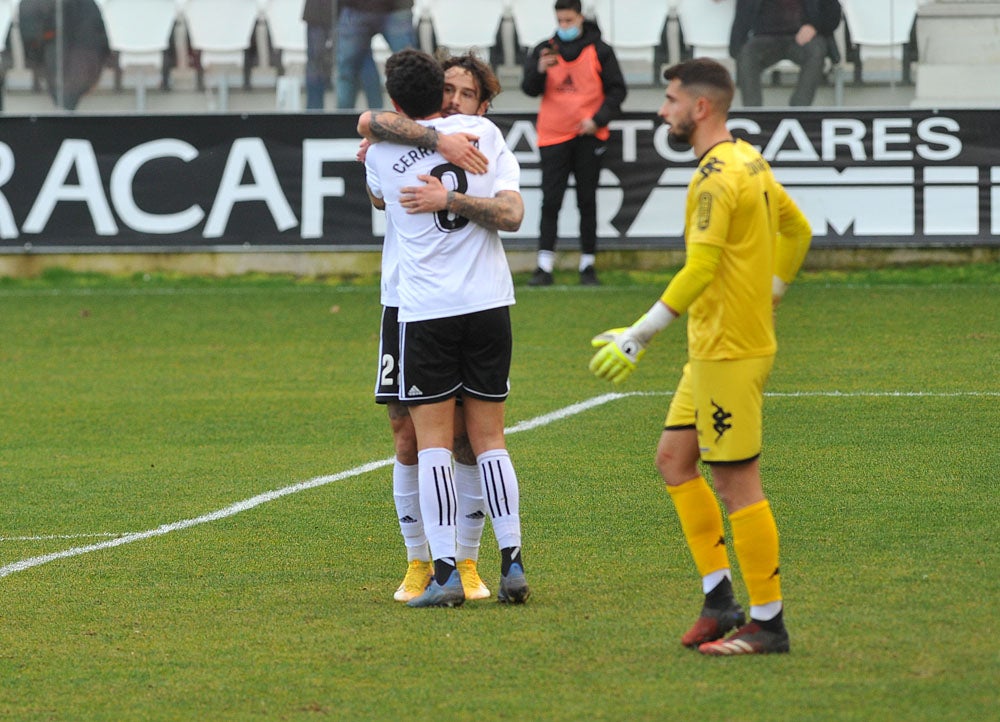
[{"x": 172, "y": 184}]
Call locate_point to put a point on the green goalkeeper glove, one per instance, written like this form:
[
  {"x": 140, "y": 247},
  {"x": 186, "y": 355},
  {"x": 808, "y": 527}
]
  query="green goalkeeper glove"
[
  {"x": 621, "y": 349},
  {"x": 618, "y": 354}
]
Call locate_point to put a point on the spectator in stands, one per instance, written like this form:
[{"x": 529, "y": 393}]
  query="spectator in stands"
[
  {"x": 359, "y": 21},
  {"x": 767, "y": 31},
  {"x": 85, "y": 50},
  {"x": 582, "y": 89},
  {"x": 318, "y": 16}
]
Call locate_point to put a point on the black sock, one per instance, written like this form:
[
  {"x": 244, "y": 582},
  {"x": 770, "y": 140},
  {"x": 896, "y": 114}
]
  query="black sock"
[
  {"x": 443, "y": 569},
  {"x": 775, "y": 624},
  {"x": 508, "y": 556},
  {"x": 721, "y": 596}
]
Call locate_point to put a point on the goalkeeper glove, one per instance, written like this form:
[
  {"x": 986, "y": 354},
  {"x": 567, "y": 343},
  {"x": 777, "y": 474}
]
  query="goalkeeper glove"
[
  {"x": 621, "y": 349},
  {"x": 618, "y": 354}
]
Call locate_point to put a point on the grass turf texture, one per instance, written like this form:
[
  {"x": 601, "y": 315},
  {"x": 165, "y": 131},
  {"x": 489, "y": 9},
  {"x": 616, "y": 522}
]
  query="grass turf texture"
[{"x": 130, "y": 403}]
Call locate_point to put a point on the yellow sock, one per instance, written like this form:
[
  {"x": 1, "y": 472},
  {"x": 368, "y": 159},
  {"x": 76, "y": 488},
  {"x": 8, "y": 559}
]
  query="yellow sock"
[
  {"x": 701, "y": 522},
  {"x": 755, "y": 540}
]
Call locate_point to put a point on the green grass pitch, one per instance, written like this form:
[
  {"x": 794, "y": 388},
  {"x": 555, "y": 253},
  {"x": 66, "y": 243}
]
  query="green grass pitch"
[{"x": 197, "y": 519}]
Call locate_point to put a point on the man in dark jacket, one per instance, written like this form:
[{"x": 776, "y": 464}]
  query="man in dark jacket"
[
  {"x": 582, "y": 89},
  {"x": 766, "y": 31}
]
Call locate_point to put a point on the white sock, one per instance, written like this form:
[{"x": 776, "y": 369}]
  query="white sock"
[
  {"x": 437, "y": 501},
  {"x": 587, "y": 259},
  {"x": 406, "y": 494},
  {"x": 711, "y": 581},
  {"x": 547, "y": 260},
  {"x": 503, "y": 499},
  {"x": 765, "y": 612},
  {"x": 471, "y": 511}
]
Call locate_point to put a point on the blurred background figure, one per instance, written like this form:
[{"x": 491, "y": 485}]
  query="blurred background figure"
[
  {"x": 318, "y": 16},
  {"x": 85, "y": 51},
  {"x": 767, "y": 31},
  {"x": 359, "y": 21}
]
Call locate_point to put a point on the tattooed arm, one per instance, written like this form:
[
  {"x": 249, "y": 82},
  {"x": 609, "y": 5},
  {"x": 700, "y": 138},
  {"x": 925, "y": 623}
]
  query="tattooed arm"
[
  {"x": 503, "y": 212},
  {"x": 457, "y": 148}
]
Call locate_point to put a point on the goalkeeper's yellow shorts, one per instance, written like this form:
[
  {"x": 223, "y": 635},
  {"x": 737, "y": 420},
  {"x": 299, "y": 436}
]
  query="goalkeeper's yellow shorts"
[{"x": 724, "y": 401}]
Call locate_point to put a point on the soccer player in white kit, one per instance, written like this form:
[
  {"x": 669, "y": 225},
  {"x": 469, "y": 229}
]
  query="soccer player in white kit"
[
  {"x": 455, "y": 290},
  {"x": 469, "y": 86}
]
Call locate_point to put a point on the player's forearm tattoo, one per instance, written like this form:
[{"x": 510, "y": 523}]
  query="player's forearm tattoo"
[
  {"x": 394, "y": 128},
  {"x": 504, "y": 212}
]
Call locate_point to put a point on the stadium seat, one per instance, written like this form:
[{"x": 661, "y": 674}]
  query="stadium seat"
[
  {"x": 705, "y": 27},
  {"x": 460, "y": 28},
  {"x": 635, "y": 28},
  {"x": 880, "y": 30},
  {"x": 287, "y": 31},
  {"x": 140, "y": 31},
  {"x": 534, "y": 21},
  {"x": 8, "y": 9},
  {"x": 222, "y": 30}
]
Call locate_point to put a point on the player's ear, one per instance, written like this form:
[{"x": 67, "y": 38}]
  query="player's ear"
[{"x": 702, "y": 107}]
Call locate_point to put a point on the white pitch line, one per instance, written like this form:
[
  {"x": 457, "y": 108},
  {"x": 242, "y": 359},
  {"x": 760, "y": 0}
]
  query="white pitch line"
[
  {"x": 268, "y": 496},
  {"x": 47, "y": 537},
  {"x": 247, "y": 504}
]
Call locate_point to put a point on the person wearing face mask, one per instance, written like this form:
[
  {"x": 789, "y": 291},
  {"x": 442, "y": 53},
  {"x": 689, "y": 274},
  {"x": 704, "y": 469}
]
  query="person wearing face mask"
[{"x": 582, "y": 89}]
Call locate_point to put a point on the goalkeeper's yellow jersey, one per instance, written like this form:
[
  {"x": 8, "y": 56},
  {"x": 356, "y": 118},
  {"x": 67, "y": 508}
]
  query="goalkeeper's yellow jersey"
[{"x": 735, "y": 203}]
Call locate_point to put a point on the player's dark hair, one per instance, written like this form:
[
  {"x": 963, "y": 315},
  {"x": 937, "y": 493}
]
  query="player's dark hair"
[
  {"x": 704, "y": 76},
  {"x": 486, "y": 79},
  {"x": 415, "y": 81},
  {"x": 569, "y": 5}
]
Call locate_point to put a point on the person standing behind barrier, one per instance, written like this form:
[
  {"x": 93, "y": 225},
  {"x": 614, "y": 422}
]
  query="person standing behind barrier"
[
  {"x": 318, "y": 16},
  {"x": 582, "y": 88},
  {"x": 766, "y": 31},
  {"x": 359, "y": 21}
]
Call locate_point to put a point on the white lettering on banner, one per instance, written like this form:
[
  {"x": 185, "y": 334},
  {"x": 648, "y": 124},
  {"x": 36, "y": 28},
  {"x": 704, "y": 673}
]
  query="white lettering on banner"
[
  {"x": 523, "y": 130},
  {"x": 8, "y": 226},
  {"x": 628, "y": 129},
  {"x": 315, "y": 186},
  {"x": 936, "y": 133},
  {"x": 951, "y": 146},
  {"x": 123, "y": 176},
  {"x": 790, "y": 130},
  {"x": 852, "y": 138},
  {"x": 249, "y": 153},
  {"x": 951, "y": 201},
  {"x": 883, "y": 138},
  {"x": 73, "y": 155}
]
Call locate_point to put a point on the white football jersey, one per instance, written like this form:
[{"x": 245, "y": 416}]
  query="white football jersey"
[
  {"x": 448, "y": 265},
  {"x": 390, "y": 266}
]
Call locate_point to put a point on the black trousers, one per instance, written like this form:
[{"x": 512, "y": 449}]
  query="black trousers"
[
  {"x": 763, "y": 51},
  {"x": 583, "y": 157}
]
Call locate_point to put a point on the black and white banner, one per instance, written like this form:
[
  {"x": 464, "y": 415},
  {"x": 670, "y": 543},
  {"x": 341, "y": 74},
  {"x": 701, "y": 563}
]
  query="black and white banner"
[{"x": 291, "y": 182}]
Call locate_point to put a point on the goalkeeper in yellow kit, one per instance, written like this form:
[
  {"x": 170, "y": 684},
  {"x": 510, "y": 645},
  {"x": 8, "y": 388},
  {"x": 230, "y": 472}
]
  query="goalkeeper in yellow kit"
[{"x": 745, "y": 241}]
